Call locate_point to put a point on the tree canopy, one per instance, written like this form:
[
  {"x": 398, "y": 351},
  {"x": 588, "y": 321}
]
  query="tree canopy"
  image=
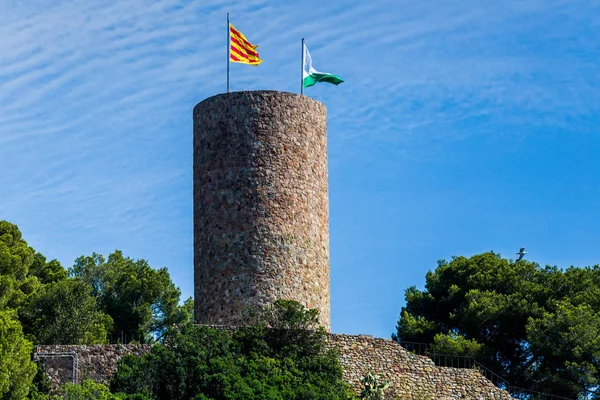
[
  {"x": 15, "y": 259},
  {"x": 43, "y": 303},
  {"x": 97, "y": 297},
  {"x": 65, "y": 312},
  {"x": 16, "y": 368},
  {"x": 537, "y": 327},
  {"x": 140, "y": 300},
  {"x": 197, "y": 362}
]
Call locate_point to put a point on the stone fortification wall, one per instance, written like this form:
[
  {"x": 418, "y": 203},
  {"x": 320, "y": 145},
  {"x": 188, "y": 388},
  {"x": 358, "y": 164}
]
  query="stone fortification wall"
[
  {"x": 412, "y": 377},
  {"x": 96, "y": 362},
  {"x": 261, "y": 217}
]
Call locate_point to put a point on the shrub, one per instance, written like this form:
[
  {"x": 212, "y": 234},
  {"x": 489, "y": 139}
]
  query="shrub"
[{"x": 283, "y": 356}]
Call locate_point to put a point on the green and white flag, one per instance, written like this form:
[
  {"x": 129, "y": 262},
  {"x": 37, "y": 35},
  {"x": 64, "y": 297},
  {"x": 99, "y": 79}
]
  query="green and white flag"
[{"x": 310, "y": 76}]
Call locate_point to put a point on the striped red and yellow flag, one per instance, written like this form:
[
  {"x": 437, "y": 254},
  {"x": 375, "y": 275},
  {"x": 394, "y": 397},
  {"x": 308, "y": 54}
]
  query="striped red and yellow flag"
[{"x": 242, "y": 51}]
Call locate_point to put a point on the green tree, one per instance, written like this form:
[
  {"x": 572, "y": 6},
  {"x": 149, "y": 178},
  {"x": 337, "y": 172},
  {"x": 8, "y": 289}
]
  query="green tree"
[
  {"x": 22, "y": 270},
  {"x": 287, "y": 328},
  {"x": 16, "y": 368},
  {"x": 568, "y": 339},
  {"x": 15, "y": 258},
  {"x": 537, "y": 327},
  {"x": 47, "y": 271},
  {"x": 453, "y": 344},
  {"x": 90, "y": 390},
  {"x": 41, "y": 384},
  {"x": 65, "y": 312},
  {"x": 197, "y": 362},
  {"x": 141, "y": 300}
]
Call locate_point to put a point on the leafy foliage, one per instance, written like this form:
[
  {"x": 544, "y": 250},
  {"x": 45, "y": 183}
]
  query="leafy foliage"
[
  {"x": 41, "y": 384},
  {"x": 289, "y": 329},
  {"x": 90, "y": 390},
  {"x": 47, "y": 271},
  {"x": 457, "y": 345},
  {"x": 16, "y": 368},
  {"x": 139, "y": 299},
  {"x": 537, "y": 327},
  {"x": 118, "y": 295},
  {"x": 197, "y": 362},
  {"x": 22, "y": 270},
  {"x": 15, "y": 259},
  {"x": 65, "y": 312},
  {"x": 40, "y": 299}
]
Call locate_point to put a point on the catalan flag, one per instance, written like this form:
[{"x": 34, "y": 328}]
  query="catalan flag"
[{"x": 241, "y": 50}]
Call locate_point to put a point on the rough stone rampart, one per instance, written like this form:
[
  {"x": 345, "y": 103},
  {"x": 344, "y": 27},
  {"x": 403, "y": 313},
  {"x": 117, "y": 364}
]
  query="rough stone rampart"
[
  {"x": 412, "y": 377},
  {"x": 96, "y": 362}
]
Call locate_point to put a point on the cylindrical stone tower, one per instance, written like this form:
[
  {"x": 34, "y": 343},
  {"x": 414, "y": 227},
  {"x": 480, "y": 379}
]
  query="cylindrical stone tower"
[{"x": 261, "y": 210}]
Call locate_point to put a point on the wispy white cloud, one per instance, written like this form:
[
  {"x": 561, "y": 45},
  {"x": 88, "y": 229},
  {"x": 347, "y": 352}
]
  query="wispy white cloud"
[{"x": 96, "y": 96}]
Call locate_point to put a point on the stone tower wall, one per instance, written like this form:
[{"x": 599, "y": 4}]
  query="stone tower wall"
[{"x": 261, "y": 217}]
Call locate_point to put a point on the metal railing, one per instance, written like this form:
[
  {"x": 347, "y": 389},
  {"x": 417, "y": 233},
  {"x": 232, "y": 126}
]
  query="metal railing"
[
  {"x": 122, "y": 337},
  {"x": 452, "y": 361},
  {"x": 421, "y": 349}
]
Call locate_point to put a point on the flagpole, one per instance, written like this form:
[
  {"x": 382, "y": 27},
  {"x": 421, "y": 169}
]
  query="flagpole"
[
  {"x": 302, "y": 70},
  {"x": 228, "y": 50}
]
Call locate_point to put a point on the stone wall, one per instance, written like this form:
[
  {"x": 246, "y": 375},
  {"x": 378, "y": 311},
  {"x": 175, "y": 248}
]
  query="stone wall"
[
  {"x": 412, "y": 377},
  {"x": 261, "y": 211},
  {"x": 96, "y": 362}
]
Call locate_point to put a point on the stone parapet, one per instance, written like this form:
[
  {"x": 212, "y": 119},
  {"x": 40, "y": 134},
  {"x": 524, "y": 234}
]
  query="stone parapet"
[
  {"x": 96, "y": 362},
  {"x": 411, "y": 377}
]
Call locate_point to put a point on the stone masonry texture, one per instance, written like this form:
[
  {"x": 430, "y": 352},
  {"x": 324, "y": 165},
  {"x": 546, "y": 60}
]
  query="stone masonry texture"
[
  {"x": 412, "y": 377},
  {"x": 96, "y": 362},
  {"x": 261, "y": 211}
]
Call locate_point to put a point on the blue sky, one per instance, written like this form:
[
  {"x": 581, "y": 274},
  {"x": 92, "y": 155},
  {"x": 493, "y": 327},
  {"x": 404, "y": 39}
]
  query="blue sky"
[{"x": 462, "y": 127}]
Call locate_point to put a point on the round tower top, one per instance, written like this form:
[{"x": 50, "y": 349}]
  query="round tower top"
[{"x": 249, "y": 97}]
